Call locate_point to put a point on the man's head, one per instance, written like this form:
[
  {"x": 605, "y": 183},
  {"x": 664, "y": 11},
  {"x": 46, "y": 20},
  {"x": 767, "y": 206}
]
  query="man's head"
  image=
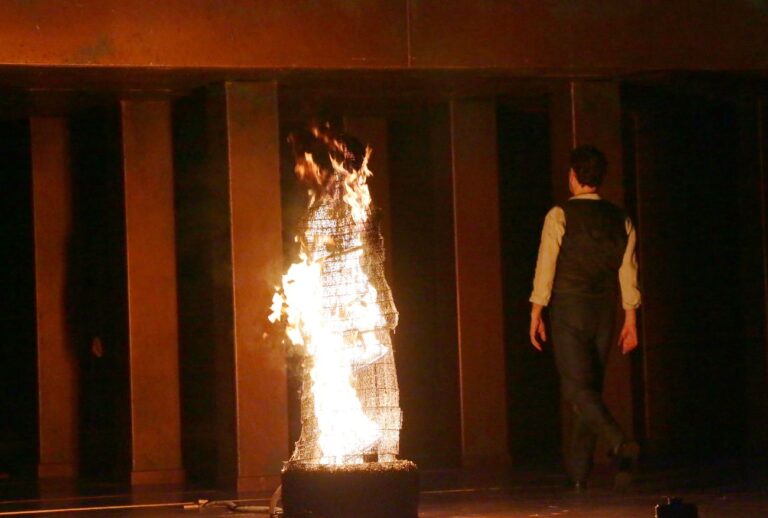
[{"x": 588, "y": 167}]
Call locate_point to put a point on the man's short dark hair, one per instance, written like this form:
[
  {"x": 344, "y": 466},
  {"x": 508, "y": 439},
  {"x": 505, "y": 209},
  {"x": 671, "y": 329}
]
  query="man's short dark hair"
[{"x": 589, "y": 164}]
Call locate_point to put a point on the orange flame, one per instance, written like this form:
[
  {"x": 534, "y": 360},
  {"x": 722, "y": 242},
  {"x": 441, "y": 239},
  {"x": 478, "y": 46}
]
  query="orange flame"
[{"x": 344, "y": 430}]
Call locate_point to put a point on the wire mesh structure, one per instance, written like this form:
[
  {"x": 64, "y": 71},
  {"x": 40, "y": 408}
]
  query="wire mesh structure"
[{"x": 358, "y": 314}]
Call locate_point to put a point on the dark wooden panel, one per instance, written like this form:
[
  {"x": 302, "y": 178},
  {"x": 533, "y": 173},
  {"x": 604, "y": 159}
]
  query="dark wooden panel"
[
  {"x": 589, "y": 36},
  {"x": 96, "y": 294},
  {"x": 18, "y": 353},
  {"x": 205, "y": 33},
  {"x": 525, "y": 196},
  {"x": 703, "y": 340},
  {"x": 372, "y": 34},
  {"x": 424, "y": 286},
  {"x": 197, "y": 202}
]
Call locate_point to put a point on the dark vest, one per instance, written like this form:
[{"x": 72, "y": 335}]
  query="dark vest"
[{"x": 592, "y": 248}]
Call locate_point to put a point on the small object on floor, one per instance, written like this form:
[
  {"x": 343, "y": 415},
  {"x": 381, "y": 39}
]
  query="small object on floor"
[
  {"x": 201, "y": 502},
  {"x": 676, "y": 508}
]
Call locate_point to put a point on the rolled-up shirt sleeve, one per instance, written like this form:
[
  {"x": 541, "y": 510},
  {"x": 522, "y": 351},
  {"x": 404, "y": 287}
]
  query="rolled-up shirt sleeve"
[
  {"x": 549, "y": 248},
  {"x": 630, "y": 294}
]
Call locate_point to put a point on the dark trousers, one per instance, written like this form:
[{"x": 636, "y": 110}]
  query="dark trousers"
[{"x": 582, "y": 334}]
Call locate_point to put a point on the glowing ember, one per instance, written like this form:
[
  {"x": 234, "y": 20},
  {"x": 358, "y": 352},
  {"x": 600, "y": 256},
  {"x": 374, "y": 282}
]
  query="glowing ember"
[{"x": 336, "y": 304}]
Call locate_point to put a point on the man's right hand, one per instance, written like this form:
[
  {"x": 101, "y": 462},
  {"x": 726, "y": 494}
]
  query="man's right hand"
[
  {"x": 628, "y": 336},
  {"x": 538, "y": 330}
]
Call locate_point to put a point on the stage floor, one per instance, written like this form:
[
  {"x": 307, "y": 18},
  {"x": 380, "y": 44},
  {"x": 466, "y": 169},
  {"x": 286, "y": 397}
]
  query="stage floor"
[
  {"x": 596, "y": 504},
  {"x": 727, "y": 494}
]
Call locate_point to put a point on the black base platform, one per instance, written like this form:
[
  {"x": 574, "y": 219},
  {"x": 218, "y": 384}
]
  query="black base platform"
[{"x": 370, "y": 490}]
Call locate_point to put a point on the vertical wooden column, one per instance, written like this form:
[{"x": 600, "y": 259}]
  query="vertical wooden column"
[
  {"x": 253, "y": 162},
  {"x": 762, "y": 136},
  {"x": 229, "y": 218},
  {"x": 57, "y": 361},
  {"x": 759, "y": 411},
  {"x": 589, "y": 112},
  {"x": 152, "y": 312},
  {"x": 478, "y": 281}
]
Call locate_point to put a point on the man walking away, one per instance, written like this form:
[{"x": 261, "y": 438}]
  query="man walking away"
[{"x": 586, "y": 256}]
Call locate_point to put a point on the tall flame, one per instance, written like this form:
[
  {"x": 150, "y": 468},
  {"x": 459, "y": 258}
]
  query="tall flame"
[{"x": 331, "y": 308}]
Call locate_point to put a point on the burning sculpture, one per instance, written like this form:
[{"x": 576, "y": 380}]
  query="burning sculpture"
[{"x": 336, "y": 305}]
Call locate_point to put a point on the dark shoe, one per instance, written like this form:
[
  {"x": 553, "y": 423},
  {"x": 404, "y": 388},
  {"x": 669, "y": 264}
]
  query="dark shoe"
[{"x": 625, "y": 457}]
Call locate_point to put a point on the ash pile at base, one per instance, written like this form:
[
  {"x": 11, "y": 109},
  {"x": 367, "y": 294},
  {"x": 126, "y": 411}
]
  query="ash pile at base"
[{"x": 337, "y": 307}]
